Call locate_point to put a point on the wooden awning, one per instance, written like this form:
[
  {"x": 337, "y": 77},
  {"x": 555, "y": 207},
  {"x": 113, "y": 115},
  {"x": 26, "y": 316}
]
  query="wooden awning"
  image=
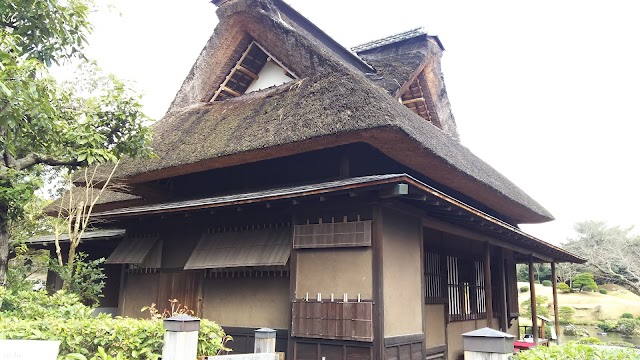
[
  {"x": 264, "y": 247},
  {"x": 132, "y": 250}
]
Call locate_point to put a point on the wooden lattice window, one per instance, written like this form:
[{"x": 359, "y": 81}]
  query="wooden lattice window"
[
  {"x": 466, "y": 291},
  {"x": 435, "y": 278},
  {"x": 340, "y": 234}
]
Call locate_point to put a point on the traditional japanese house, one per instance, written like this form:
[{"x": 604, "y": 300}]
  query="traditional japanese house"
[{"x": 322, "y": 192}]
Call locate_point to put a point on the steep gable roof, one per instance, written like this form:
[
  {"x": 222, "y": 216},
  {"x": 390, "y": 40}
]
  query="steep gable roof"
[{"x": 335, "y": 102}]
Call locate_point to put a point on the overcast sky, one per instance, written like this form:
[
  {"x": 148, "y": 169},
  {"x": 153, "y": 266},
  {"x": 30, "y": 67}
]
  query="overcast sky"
[{"x": 547, "y": 92}]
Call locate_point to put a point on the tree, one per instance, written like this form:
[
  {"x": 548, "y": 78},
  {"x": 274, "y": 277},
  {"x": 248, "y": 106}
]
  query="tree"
[
  {"x": 585, "y": 280},
  {"x": 96, "y": 118},
  {"x": 612, "y": 253},
  {"x": 566, "y": 272},
  {"x": 74, "y": 218}
]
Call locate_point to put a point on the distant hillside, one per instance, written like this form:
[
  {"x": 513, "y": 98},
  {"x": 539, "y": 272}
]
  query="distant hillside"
[{"x": 591, "y": 306}]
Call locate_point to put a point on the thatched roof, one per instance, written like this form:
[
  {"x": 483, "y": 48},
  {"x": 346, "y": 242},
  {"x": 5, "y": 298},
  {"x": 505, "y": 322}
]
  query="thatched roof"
[
  {"x": 315, "y": 113},
  {"x": 337, "y": 101}
]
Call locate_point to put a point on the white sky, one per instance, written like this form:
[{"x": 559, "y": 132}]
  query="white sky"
[{"x": 547, "y": 92}]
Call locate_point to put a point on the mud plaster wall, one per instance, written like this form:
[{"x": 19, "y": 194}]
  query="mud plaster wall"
[
  {"x": 247, "y": 302},
  {"x": 402, "y": 274},
  {"x": 435, "y": 325},
  {"x": 337, "y": 271}
]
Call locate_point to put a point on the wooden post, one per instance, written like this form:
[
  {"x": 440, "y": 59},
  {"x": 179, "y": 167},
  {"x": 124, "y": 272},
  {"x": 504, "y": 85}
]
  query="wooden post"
[
  {"x": 532, "y": 291},
  {"x": 504, "y": 319},
  {"x": 487, "y": 285},
  {"x": 556, "y": 319}
]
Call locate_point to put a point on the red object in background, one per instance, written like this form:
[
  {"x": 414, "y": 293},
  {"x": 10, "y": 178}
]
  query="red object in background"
[{"x": 523, "y": 345}]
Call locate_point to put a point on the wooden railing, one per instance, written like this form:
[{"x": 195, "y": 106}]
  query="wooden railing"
[{"x": 332, "y": 320}]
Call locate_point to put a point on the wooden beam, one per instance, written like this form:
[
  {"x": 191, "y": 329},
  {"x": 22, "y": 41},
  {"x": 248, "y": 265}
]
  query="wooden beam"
[
  {"x": 456, "y": 230},
  {"x": 395, "y": 190},
  {"x": 231, "y": 91},
  {"x": 556, "y": 319},
  {"x": 411, "y": 101},
  {"x": 532, "y": 292},
  {"x": 246, "y": 71},
  {"x": 488, "y": 296}
]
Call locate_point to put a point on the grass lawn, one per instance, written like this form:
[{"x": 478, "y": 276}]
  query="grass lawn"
[{"x": 591, "y": 306}]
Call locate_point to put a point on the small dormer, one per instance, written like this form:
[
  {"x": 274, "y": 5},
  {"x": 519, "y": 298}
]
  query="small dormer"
[{"x": 256, "y": 70}]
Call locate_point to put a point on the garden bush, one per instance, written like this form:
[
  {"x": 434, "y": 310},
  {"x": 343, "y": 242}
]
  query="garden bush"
[
  {"x": 590, "y": 340},
  {"x": 546, "y": 283},
  {"x": 607, "y": 325},
  {"x": 37, "y": 316},
  {"x": 602, "y": 291},
  {"x": 573, "y": 351},
  {"x": 564, "y": 288},
  {"x": 524, "y": 289},
  {"x": 626, "y": 316}
]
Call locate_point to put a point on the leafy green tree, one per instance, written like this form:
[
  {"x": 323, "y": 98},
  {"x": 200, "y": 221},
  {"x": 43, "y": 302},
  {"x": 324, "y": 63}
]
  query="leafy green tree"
[
  {"x": 95, "y": 118},
  {"x": 585, "y": 280}
]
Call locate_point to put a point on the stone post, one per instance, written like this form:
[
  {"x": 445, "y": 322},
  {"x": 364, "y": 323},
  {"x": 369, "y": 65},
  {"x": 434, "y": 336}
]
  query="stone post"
[
  {"x": 180, "y": 337},
  {"x": 265, "y": 341},
  {"x": 487, "y": 344}
]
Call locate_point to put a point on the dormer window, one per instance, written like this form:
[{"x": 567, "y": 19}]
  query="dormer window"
[{"x": 256, "y": 70}]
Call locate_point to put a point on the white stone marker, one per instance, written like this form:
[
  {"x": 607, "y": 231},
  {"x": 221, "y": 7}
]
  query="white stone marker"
[
  {"x": 180, "y": 338},
  {"x": 29, "y": 349}
]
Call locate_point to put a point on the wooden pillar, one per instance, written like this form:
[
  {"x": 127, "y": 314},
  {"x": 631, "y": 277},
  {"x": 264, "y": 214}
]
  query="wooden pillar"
[
  {"x": 556, "y": 319},
  {"x": 487, "y": 285},
  {"x": 532, "y": 291},
  {"x": 504, "y": 318},
  {"x": 378, "y": 284}
]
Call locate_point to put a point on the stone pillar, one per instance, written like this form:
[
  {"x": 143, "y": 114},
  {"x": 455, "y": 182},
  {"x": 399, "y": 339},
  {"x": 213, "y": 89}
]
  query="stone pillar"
[
  {"x": 487, "y": 344},
  {"x": 265, "y": 341},
  {"x": 181, "y": 338}
]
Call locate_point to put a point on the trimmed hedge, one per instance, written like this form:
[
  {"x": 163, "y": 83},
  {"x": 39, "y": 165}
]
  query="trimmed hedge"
[
  {"x": 546, "y": 283},
  {"x": 38, "y": 316}
]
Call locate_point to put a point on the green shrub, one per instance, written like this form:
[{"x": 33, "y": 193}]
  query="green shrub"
[
  {"x": 564, "y": 288},
  {"x": 541, "y": 307},
  {"x": 603, "y": 291},
  {"x": 626, "y": 316},
  {"x": 607, "y": 325},
  {"x": 85, "y": 278},
  {"x": 590, "y": 340},
  {"x": 546, "y": 283},
  {"x": 524, "y": 289},
  {"x": 61, "y": 316},
  {"x": 620, "y": 343},
  {"x": 573, "y": 351},
  {"x": 627, "y": 327},
  {"x": 34, "y": 305},
  {"x": 566, "y": 313}
]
